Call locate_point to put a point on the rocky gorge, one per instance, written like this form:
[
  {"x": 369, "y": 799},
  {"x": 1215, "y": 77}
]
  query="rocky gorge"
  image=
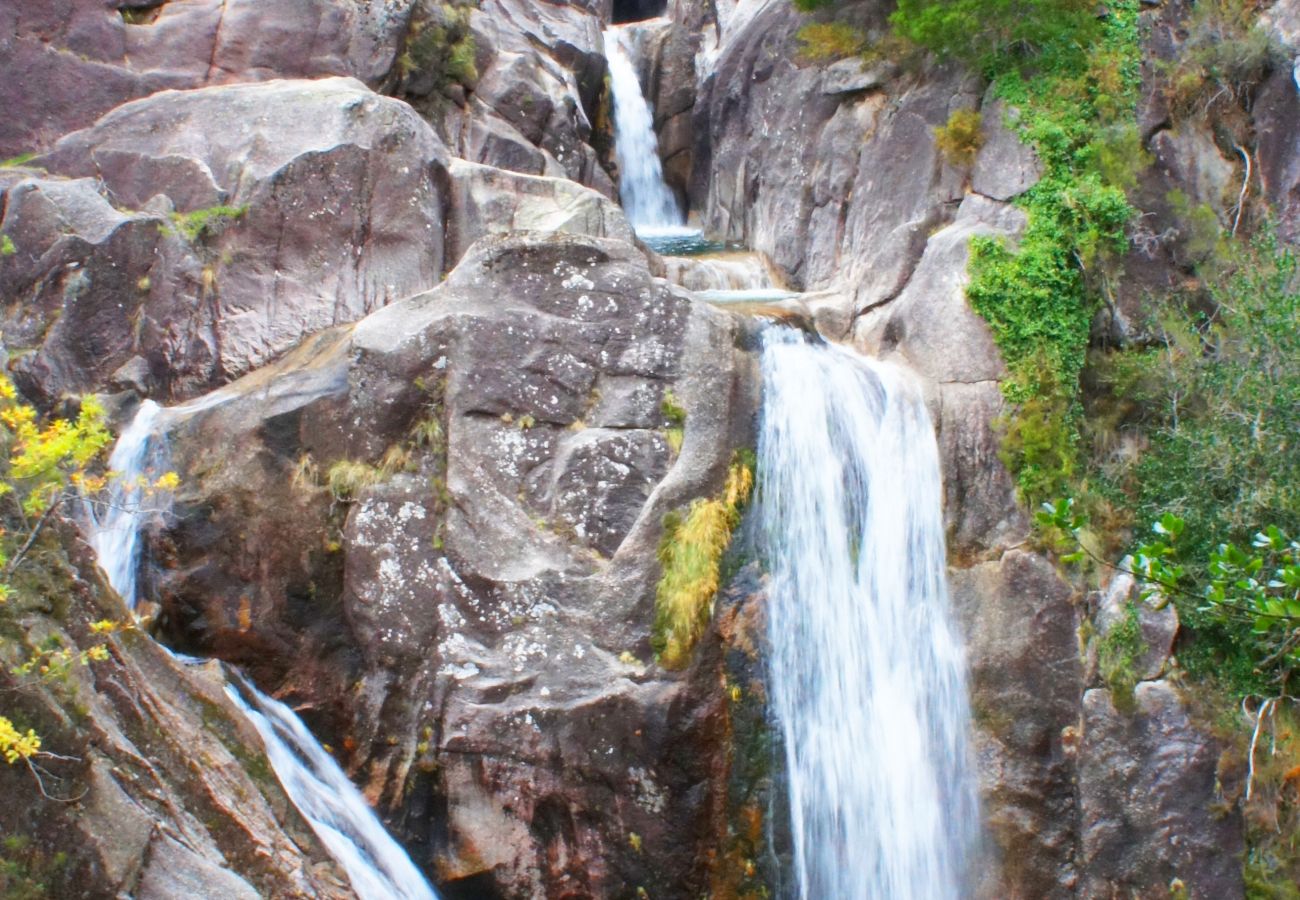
[{"x": 441, "y": 412}]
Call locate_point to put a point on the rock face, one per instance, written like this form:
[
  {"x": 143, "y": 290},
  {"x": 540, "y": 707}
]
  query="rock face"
[
  {"x": 1147, "y": 796},
  {"x": 1026, "y": 683},
  {"x": 223, "y": 225},
  {"x": 473, "y": 620},
  {"x": 93, "y": 55},
  {"x": 536, "y": 105},
  {"x": 173, "y": 794},
  {"x": 839, "y": 186}
]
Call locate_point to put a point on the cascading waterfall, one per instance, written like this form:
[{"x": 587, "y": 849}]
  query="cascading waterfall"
[
  {"x": 648, "y": 203},
  {"x": 377, "y": 866},
  {"x": 867, "y": 675}
]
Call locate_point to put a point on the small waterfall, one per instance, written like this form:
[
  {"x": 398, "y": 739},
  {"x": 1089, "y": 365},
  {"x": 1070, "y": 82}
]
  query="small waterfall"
[
  {"x": 648, "y": 203},
  {"x": 867, "y": 675},
  {"x": 116, "y": 523},
  {"x": 377, "y": 866}
]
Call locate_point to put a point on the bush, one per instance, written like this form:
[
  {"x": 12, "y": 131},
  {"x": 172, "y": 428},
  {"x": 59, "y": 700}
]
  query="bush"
[
  {"x": 960, "y": 138},
  {"x": 828, "y": 41},
  {"x": 991, "y": 33},
  {"x": 1226, "y": 53}
]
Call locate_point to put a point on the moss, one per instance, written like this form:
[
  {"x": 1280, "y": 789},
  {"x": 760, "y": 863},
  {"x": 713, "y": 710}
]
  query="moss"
[
  {"x": 7, "y": 247},
  {"x": 199, "y": 222},
  {"x": 15, "y": 161},
  {"x": 1118, "y": 653},
  {"x": 691, "y": 553}
]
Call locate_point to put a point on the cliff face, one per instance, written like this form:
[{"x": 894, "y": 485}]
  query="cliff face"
[{"x": 426, "y": 504}]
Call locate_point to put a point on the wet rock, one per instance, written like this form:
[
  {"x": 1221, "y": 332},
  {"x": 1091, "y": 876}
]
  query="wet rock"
[
  {"x": 931, "y": 327},
  {"x": 306, "y": 204},
  {"x": 1026, "y": 681},
  {"x": 476, "y": 621},
  {"x": 1149, "y": 802},
  {"x": 87, "y": 57}
]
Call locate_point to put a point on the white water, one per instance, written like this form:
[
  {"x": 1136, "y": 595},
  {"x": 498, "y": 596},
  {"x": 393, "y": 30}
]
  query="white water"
[
  {"x": 867, "y": 674},
  {"x": 648, "y": 203},
  {"x": 377, "y": 866}
]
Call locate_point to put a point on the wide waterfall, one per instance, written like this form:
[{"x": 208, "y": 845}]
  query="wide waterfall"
[
  {"x": 648, "y": 203},
  {"x": 377, "y": 866},
  {"x": 867, "y": 675}
]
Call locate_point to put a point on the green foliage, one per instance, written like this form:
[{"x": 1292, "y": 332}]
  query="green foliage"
[
  {"x": 813, "y": 5},
  {"x": 675, "y": 413},
  {"x": 440, "y": 50},
  {"x": 1227, "y": 51},
  {"x": 829, "y": 41},
  {"x": 15, "y": 161},
  {"x": 690, "y": 552},
  {"x": 7, "y": 247},
  {"x": 1118, "y": 653},
  {"x": 992, "y": 33},
  {"x": 960, "y": 138},
  {"x": 1075, "y": 106},
  {"x": 192, "y": 225}
]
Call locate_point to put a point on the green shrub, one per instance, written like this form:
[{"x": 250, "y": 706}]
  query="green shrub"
[
  {"x": 960, "y": 138},
  {"x": 992, "y": 33},
  {"x": 1227, "y": 51},
  {"x": 829, "y": 41}
]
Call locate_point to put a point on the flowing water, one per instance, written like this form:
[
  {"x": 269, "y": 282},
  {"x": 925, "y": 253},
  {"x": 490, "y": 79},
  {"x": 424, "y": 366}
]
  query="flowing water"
[
  {"x": 866, "y": 672},
  {"x": 377, "y": 866},
  {"x": 648, "y": 203}
]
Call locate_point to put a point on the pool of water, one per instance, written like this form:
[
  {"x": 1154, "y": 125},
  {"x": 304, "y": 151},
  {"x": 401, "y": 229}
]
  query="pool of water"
[{"x": 680, "y": 240}]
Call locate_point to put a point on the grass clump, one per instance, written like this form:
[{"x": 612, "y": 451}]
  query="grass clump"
[
  {"x": 193, "y": 225},
  {"x": 7, "y": 247},
  {"x": 691, "y": 555},
  {"x": 829, "y": 41},
  {"x": 960, "y": 138}
]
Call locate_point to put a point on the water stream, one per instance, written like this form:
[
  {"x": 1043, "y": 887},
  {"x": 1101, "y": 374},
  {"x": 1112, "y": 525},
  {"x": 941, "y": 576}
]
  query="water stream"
[
  {"x": 867, "y": 676},
  {"x": 376, "y": 865},
  {"x": 648, "y": 203}
]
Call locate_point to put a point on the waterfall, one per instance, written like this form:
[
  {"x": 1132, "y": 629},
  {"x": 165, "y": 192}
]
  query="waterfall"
[
  {"x": 377, "y": 866},
  {"x": 867, "y": 675},
  {"x": 649, "y": 204}
]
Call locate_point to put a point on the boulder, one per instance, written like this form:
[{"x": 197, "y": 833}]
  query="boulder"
[
  {"x": 233, "y": 221},
  {"x": 540, "y": 88},
  {"x": 486, "y": 200},
  {"x": 1149, "y": 801},
  {"x": 89, "y": 56},
  {"x": 1157, "y": 622},
  {"x": 475, "y": 621}
]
